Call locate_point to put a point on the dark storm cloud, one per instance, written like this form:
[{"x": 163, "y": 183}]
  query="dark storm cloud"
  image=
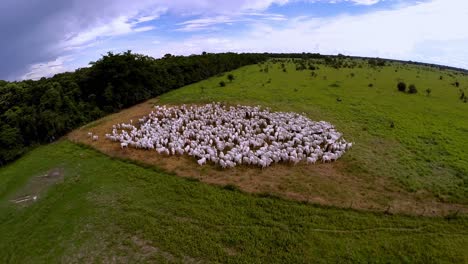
[
  {"x": 27, "y": 29},
  {"x": 33, "y": 29}
]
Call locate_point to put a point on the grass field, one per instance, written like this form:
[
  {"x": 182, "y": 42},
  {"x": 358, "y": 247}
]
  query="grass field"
[
  {"x": 123, "y": 206},
  {"x": 108, "y": 210},
  {"x": 426, "y": 148},
  {"x": 419, "y": 166}
]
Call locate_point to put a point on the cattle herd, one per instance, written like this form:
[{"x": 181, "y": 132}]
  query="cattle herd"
[{"x": 232, "y": 135}]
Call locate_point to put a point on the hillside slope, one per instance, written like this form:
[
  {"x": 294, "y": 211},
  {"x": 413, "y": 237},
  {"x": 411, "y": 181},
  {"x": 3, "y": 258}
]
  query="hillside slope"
[
  {"x": 409, "y": 153},
  {"x": 108, "y": 210},
  {"x": 123, "y": 206}
]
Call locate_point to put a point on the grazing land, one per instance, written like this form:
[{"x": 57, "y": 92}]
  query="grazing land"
[
  {"x": 400, "y": 194},
  {"x": 409, "y": 153},
  {"x": 114, "y": 211}
]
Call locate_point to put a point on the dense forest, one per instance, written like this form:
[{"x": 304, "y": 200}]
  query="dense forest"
[{"x": 36, "y": 112}]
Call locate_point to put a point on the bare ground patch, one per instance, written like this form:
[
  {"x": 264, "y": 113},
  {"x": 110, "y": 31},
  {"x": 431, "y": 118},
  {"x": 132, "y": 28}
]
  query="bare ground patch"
[
  {"x": 325, "y": 184},
  {"x": 37, "y": 186}
]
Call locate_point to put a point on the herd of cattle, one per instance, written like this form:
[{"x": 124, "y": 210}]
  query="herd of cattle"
[{"x": 229, "y": 136}]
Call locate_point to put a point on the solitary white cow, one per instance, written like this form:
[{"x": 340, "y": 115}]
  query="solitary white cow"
[{"x": 201, "y": 161}]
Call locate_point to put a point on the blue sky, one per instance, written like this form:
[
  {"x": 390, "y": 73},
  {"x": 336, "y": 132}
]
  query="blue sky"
[{"x": 45, "y": 37}]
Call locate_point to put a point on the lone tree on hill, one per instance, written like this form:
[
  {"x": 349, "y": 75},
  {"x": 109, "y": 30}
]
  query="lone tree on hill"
[
  {"x": 401, "y": 86},
  {"x": 412, "y": 89},
  {"x": 230, "y": 77},
  {"x": 428, "y": 91}
]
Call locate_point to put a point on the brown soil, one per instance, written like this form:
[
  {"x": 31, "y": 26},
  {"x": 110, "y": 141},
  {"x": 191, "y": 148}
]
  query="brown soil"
[{"x": 325, "y": 184}]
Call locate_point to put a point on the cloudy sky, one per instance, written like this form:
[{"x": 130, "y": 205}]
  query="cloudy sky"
[{"x": 44, "y": 37}]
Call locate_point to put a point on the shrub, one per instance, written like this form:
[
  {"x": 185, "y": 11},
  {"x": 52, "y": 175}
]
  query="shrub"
[
  {"x": 428, "y": 91},
  {"x": 222, "y": 84},
  {"x": 412, "y": 89},
  {"x": 230, "y": 77},
  {"x": 371, "y": 85},
  {"x": 401, "y": 86}
]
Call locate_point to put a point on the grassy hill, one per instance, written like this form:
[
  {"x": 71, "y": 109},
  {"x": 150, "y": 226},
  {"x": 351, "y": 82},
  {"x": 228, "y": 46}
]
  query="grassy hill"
[
  {"x": 419, "y": 141},
  {"x": 91, "y": 207},
  {"x": 108, "y": 210}
]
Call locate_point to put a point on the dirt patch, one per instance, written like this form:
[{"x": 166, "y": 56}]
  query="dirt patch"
[
  {"x": 37, "y": 186},
  {"x": 325, "y": 184}
]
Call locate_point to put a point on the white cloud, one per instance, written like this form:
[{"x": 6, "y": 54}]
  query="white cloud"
[
  {"x": 403, "y": 33},
  {"x": 89, "y": 22},
  {"x": 121, "y": 25},
  {"x": 149, "y": 10},
  {"x": 143, "y": 29},
  {"x": 426, "y": 31},
  {"x": 210, "y": 22},
  {"x": 50, "y": 68},
  {"x": 366, "y": 2},
  {"x": 118, "y": 26},
  {"x": 205, "y": 23}
]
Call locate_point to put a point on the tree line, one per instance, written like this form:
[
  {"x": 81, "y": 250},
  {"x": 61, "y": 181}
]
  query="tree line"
[{"x": 37, "y": 112}]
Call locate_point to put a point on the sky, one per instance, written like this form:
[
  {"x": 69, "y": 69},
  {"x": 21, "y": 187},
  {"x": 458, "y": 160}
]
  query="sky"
[{"x": 41, "y": 38}]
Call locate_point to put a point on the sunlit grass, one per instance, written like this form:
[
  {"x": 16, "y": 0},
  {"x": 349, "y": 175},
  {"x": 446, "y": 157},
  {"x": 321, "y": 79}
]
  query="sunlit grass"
[{"x": 419, "y": 141}]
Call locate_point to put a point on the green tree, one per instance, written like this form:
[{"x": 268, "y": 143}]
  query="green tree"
[
  {"x": 428, "y": 91},
  {"x": 401, "y": 86},
  {"x": 412, "y": 89},
  {"x": 109, "y": 93},
  {"x": 51, "y": 99},
  {"x": 11, "y": 143}
]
